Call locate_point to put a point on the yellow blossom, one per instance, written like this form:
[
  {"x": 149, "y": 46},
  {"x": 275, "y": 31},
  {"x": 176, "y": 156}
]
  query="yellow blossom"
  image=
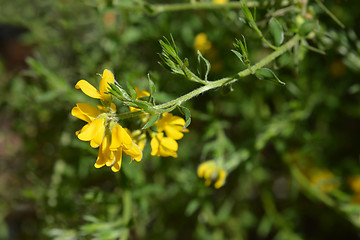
[
  {"x": 354, "y": 183},
  {"x": 91, "y": 91},
  {"x": 324, "y": 180},
  {"x": 110, "y": 152},
  {"x": 220, "y": 1},
  {"x": 102, "y": 129},
  {"x": 163, "y": 146},
  {"x": 172, "y": 125},
  {"x": 211, "y": 171},
  {"x": 201, "y": 43}
]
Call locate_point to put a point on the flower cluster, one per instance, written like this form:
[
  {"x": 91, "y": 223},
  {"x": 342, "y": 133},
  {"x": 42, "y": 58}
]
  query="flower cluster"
[
  {"x": 104, "y": 132},
  {"x": 167, "y": 130},
  {"x": 212, "y": 171},
  {"x": 102, "y": 128}
]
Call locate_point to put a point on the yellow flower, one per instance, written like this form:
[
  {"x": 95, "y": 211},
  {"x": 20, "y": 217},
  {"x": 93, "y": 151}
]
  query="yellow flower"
[
  {"x": 96, "y": 119},
  {"x": 163, "y": 146},
  {"x": 324, "y": 180},
  {"x": 102, "y": 129},
  {"x": 172, "y": 125},
  {"x": 354, "y": 183},
  {"x": 202, "y": 43},
  {"x": 91, "y": 91},
  {"x": 220, "y": 1},
  {"x": 211, "y": 171},
  {"x": 110, "y": 151}
]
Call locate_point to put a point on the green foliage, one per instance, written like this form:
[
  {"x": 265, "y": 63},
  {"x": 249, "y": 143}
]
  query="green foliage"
[{"x": 290, "y": 152}]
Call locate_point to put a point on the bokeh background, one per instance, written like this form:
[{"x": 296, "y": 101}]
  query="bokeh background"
[{"x": 296, "y": 172}]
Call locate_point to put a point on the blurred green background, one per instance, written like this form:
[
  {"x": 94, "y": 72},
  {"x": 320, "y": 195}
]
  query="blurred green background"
[{"x": 295, "y": 149}]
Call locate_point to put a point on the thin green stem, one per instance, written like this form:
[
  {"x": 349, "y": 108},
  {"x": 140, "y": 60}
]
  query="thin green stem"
[
  {"x": 160, "y": 8},
  {"x": 328, "y": 12},
  {"x": 221, "y": 82}
]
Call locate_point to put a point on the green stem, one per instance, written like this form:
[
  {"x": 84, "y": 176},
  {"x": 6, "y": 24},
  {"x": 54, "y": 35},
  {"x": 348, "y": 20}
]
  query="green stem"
[
  {"x": 160, "y": 8},
  {"x": 221, "y": 82}
]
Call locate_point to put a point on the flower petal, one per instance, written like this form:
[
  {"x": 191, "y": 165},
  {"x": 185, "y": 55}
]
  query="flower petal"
[
  {"x": 91, "y": 130},
  {"x": 118, "y": 159},
  {"x": 155, "y": 144},
  {"x": 119, "y": 137},
  {"x": 88, "y": 89},
  {"x": 175, "y": 120},
  {"x": 107, "y": 77},
  {"x": 221, "y": 179},
  {"x": 173, "y": 133},
  {"x": 85, "y": 112},
  {"x": 135, "y": 152}
]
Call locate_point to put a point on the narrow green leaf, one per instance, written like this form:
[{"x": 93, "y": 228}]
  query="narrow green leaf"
[
  {"x": 131, "y": 91},
  {"x": 152, "y": 90},
  {"x": 119, "y": 92},
  {"x": 186, "y": 112},
  {"x": 202, "y": 60},
  {"x": 153, "y": 119},
  {"x": 267, "y": 74},
  {"x": 276, "y": 31},
  {"x": 147, "y": 107},
  {"x": 239, "y": 55}
]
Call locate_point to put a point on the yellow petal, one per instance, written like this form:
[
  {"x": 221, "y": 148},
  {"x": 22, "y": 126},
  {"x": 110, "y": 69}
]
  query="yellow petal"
[
  {"x": 118, "y": 159},
  {"x": 155, "y": 144},
  {"x": 134, "y": 152},
  {"x": 85, "y": 112},
  {"x": 101, "y": 159},
  {"x": 201, "y": 169},
  {"x": 88, "y": 89},
  {"x": 119, "y": 137},
  {"x": 106, "y": 152},
  {"x": 98, "y": 137},
  {"x": 175, "y": 120},
  {"x": 169, "y": 144},
  {"x": 221, "y": 179},
  {"x": 91, "y": 130},
  {"x": 209, "y": 171},
  {"x": 76, "y": 112},
  {"x": 173, "y": 133},
  {"x": 107, "y": 77}
]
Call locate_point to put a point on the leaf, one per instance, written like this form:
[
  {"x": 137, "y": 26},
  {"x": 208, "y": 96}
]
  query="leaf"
[
  {"x": 132, "y": 91},
  {"x": 276, "y": 31},
  {"x": 147, "y": 107},
  {"x": 152, "y": 90},
  {"x": 267, "y": 74},
  {"x": 119, "y": 92},
  {"x": 202, "y": 60},
  {"x": 306, "y": 28},
  {"x": 186, "y": 112},
  {"x": 152, "y": 85},
  {"x": 153, "y": 119}
]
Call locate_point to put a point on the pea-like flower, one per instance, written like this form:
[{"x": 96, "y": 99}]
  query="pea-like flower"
[
  {"x": 202, "y": 43},
  {"x": 110, "y": 152},
  {"x": 163, "y": 146},
  {"x": 211, "y": 171},
  {"x": 172, "y": 125},
  {"x": 220, "y": 1},
  {"x": 102, "y": 129}
]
